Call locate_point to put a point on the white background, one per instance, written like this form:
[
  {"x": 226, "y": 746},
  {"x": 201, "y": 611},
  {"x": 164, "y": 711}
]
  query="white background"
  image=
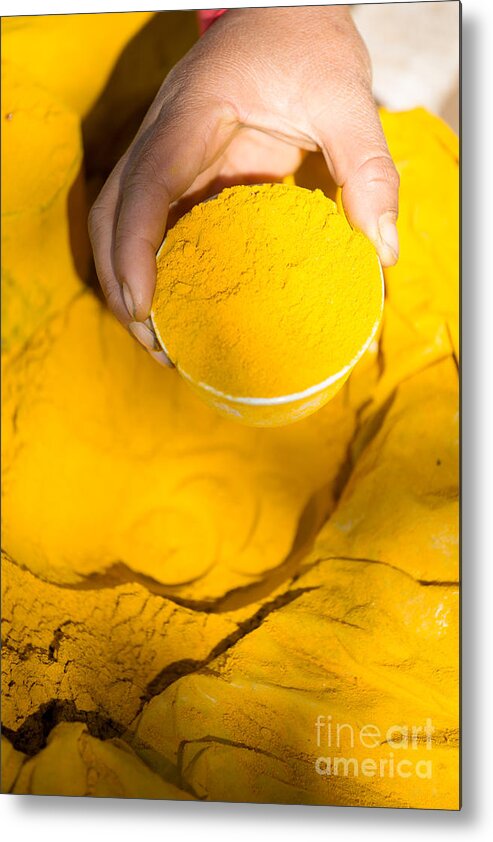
[{"x": 79, "y": 819}]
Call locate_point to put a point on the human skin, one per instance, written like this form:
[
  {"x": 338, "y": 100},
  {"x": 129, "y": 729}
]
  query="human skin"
[{"x": 260, "y": 88}]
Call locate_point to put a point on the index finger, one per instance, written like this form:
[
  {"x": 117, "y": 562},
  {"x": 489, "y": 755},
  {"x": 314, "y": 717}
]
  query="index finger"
[{"x": 182, "y": 143}]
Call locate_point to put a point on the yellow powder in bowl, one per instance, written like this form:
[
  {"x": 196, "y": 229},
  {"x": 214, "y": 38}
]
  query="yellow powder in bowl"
[{"x": 265, "y": 296}]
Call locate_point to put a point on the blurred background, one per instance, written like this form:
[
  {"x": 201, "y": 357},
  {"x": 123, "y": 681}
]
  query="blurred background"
[{"x": 414, "y": 49}]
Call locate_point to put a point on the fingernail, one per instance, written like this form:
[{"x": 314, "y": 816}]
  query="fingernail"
[
  {"x": 389, "y": 237},
  {"x": 129, "y": 302},
  {"x": 161, "y": 358},
  {"x": 143, "y": 334}
]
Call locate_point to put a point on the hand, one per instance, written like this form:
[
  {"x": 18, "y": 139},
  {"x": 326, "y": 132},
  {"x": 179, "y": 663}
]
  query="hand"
[{"x": 258, "y": 89}]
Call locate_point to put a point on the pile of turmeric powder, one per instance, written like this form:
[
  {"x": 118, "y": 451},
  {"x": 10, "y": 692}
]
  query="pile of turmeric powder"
[
  {"x": 184, "y": 597},
  {"x": 266, "y": 291}
]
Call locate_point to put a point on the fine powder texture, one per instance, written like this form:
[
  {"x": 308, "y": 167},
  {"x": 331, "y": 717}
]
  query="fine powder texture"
[
  {"x": 183, "y": 595},
  {"x": 266, "y": 291}
]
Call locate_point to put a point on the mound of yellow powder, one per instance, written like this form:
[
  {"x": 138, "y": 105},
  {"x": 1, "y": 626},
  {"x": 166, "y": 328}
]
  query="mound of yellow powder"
[
  {"x": 266, "y": 291},
  {"x": 183, "y": 596}
]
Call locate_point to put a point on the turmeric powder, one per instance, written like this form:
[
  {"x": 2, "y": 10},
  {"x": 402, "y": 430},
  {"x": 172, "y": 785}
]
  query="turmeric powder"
[
  {"x": 39, "y": 46},
  {"x": 266, "y": 292},
  {"x": 41, "y": 158},
  {"x": 190, "y": 597}
]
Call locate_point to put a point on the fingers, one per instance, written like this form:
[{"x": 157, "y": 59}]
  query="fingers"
[
  {"x": 128, "y": 220},
  {"x": 101, "y": 231},
  {"x": 358, "y": 157},
  {"x": 182, "y": 143},
  {"x": 370, "y": 199},
  {"x": 102, "y": 225}
]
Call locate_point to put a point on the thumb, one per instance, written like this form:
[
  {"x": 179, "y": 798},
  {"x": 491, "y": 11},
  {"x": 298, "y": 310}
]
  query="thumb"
[
  {"x": 360, "y": 162},
  {"x": 164, "y": 163}
]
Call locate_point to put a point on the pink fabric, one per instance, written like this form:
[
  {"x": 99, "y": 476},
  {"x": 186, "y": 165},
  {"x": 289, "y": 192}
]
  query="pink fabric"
[{"x": 207, "y": 17}]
